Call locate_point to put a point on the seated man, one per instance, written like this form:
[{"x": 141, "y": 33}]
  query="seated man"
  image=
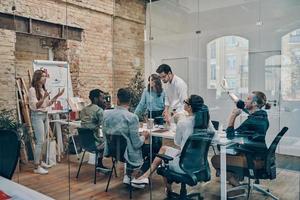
[
  {"x": 121, "y": 121},
  {"x": 91, "y": 117},
  {"x": 257, "y": 123}
]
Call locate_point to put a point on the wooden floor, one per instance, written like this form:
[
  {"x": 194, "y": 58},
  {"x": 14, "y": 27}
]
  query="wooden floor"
[{"x": 56, "y": 184}]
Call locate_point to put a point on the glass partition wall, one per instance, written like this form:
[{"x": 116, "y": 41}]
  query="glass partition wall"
[
  {"x": 253, "y": 45},
  {"x": 41, "y": 39}
]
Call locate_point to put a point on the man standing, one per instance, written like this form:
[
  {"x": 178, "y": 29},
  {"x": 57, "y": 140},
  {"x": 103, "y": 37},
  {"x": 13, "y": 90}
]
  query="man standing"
[
  {"x": 91, "y": 117},
  {"x": 120, "y": 121},
  {"x": 176, "y": 91}
]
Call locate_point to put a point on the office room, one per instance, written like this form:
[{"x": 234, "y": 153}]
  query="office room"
[{"x": 141, "y": 99}]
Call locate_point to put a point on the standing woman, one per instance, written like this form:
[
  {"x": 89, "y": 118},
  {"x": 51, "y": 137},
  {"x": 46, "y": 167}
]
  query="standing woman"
[
  {"x": 153, "y": 100},
  {"x": 39, "y": 100}
]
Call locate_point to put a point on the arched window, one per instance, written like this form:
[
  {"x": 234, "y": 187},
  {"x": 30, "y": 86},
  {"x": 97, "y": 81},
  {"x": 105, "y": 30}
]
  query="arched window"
[
  {"x": 290, "y": 72},
  {"x": 227, "y": 58}
]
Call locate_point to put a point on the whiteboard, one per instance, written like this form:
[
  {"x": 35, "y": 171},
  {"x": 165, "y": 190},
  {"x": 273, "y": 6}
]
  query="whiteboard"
[{"x": 58, "y": 77}]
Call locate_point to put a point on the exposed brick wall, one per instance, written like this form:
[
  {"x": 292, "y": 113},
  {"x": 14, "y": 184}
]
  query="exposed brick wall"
[
  {"x": 128, "y": 51},
  {"x": 90, "y": 60},
  {"x": 28, "y": 48},
  {"x": 7, "y": 69}
]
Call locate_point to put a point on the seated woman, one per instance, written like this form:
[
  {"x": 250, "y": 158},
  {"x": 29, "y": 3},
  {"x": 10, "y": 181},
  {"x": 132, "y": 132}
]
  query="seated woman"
[
  {"x": 196, "y": 110},
  {"x": 257, "y": 122},
  {"x": 153, "y": 101}
]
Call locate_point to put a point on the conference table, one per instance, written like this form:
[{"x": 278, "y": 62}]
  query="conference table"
[
  {"x": 158, "y": 131},
  {"x": 219, "y": 139},
  {"x": 17, "y": 191}
]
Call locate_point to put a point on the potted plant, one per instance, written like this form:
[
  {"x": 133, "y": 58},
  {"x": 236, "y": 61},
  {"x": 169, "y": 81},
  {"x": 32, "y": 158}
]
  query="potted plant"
[
  {"x": 8, "y": 120},
  {"x": 136, "y": 87}
]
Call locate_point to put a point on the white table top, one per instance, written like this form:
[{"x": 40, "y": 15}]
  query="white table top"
[
  {"x": 76, "y": 124},
  {"x": 20, "y": 192}
]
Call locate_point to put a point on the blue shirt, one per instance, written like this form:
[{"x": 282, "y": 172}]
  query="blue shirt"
[
  {"x": 120, "y": 121},
  {"x": 151, "y": 102}
]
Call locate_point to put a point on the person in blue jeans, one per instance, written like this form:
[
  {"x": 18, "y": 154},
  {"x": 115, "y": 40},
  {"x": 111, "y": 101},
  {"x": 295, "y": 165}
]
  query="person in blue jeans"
[
  {"x": 153, "y": 101},
  {"x": 39, "y": 101}
]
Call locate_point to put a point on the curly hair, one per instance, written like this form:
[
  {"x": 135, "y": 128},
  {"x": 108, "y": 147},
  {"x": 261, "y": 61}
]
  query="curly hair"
[{"x": 157, "y": 84}]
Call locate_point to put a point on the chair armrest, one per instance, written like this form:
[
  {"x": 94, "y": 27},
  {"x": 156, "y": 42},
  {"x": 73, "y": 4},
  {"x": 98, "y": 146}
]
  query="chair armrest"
[
  {"x": 164, "y": 157},
  {"x": 258, "y": 138},
  {"x": 243, "y": 150}
]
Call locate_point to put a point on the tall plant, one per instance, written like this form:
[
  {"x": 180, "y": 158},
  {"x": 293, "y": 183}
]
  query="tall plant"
[{"x": 136, "y": 87}]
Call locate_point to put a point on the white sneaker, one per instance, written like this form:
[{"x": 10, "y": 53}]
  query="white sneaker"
[
  {"x": 40, "y": 170},
  {"x": 126, "y": 179},
  {"x": 139, "y": 186},
  {"x": 143, "y": 181},
  {"x": 45, "y": 165}
]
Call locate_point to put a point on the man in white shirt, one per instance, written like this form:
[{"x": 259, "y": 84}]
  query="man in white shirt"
[{"x": 175, "y": 89}]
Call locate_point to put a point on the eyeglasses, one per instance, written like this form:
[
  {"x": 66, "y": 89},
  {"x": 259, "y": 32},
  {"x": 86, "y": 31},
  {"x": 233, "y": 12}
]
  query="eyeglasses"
[{"x": 186, "y": 102}]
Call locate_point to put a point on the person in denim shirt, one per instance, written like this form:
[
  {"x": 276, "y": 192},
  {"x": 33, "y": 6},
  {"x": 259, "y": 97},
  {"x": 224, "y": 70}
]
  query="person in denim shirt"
[
  {"x": 152, "y": 100},
  {"x": 120, "y": 121}
]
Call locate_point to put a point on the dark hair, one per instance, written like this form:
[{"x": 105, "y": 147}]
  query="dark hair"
[
  {"x": 202, "y": 118},
  {"x": 196, "y": 102},
  {"x": 124, "y": 95},
  {"x": 157, "y": 84},
  {"x": 164, "y": 68},
  {"x": 37, "y": 75},
  {"x": 95, "y": 94},
  {"x": 261, "y": 100}
]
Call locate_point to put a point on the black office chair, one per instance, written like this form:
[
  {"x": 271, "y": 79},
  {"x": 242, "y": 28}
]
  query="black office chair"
[
  {"x": 116, "y": 145},
  {"x": 193, "y": 161},
  {"x": 9, "y": 152},
  {"x": 268, "y": 171},
  {"x": 88, "y": 143}
]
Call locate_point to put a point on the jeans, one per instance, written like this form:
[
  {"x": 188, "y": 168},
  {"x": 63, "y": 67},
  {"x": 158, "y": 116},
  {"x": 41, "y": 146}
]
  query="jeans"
[{"x": 40, "y": 125}]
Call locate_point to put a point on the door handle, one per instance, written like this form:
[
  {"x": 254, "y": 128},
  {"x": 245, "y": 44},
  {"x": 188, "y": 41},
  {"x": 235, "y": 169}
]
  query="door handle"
[{"x": 273, "y": 102}]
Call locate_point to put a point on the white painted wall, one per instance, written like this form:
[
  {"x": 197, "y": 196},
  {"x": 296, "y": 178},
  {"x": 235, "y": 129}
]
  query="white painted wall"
[{"x": 173, "y": 28}]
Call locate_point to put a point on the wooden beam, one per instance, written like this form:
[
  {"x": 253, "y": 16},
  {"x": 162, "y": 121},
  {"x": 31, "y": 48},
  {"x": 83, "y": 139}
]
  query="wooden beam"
[{"x": 37, "y": 27}]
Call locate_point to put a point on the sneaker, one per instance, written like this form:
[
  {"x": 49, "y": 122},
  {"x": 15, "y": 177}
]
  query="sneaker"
[
  {"x": 45, "y": 165},
  {"x": 40, "y": 170},
  {"x": 126, "y": 179},
  {"x": 139, "y": 186},
  {"x": 103, "y": 170},
  {"x": 142, "y": 181}
]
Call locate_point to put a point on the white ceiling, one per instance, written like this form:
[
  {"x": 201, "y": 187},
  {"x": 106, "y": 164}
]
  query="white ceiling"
[{"x": 191, "y": 6}]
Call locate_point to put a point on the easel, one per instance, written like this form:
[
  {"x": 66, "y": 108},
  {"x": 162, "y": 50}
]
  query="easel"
[{"x": 23, "y": 111}]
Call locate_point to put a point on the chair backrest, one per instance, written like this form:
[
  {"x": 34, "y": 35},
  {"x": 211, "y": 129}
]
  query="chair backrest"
[
  {"x": 215, "y": 124},
  {"x": 270, "y": 155},
  {"x": 194, "y": 154},
  {"x": 87, "y": 139},
  {"x": 116, "y": 146},
  {"x": 9, "y": 152}
]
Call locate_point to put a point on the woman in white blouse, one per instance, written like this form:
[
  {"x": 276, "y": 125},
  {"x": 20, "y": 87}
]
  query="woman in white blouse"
[
  {"x": 38, "y": 102},
  {"x": 185, "y": 127}
]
